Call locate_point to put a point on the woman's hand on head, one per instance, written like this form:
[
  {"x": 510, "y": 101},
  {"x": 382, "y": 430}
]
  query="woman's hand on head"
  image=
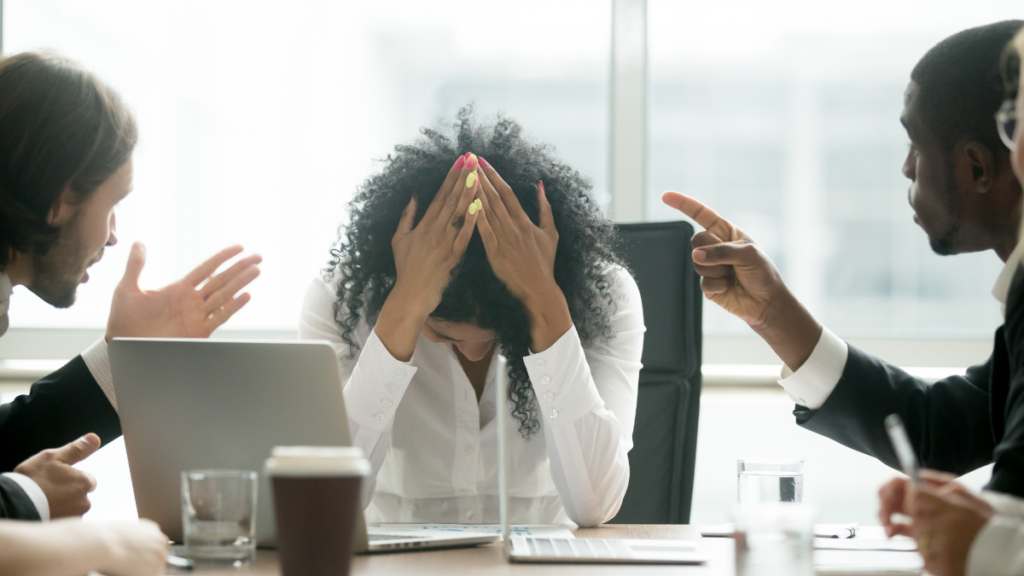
[
  {"x": 522, "y": 255},
  {"x": 425, "y": 255}
]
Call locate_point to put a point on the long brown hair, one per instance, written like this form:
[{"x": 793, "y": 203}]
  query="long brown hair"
[{"x": 60, "y": 128}]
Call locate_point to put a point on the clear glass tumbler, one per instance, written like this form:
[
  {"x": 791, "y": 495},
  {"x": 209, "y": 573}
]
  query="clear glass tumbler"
[
  {"x": 218, "y": 513},
  {"x": 774, "y": 539},
  {"x": 769, "y": 481}
]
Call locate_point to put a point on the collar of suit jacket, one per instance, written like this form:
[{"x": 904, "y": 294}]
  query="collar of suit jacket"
[{"x": 1001, "y": 290}]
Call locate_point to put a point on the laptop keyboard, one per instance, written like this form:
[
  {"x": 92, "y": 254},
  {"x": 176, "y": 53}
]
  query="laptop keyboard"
[
  {"x": 379, "y": 537},
  {"x": 578, "y": 547}
]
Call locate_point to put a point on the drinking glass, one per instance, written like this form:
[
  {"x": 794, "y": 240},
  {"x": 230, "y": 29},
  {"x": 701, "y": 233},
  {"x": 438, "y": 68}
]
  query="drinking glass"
[
  {"x": 769, "y": 481},
  {"x": 774, "y": 539},
  {"x": 218, "y": 513}
]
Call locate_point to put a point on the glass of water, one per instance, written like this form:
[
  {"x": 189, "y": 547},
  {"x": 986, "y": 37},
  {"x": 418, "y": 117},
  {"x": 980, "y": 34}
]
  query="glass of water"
[
  {"x": 774, "y": 539},
  {"x": 218, "y": 513},
  {"x": 770, "y": 481}
]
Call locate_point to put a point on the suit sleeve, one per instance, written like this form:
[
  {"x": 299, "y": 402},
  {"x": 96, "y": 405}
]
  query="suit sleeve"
[
  {"x": 15, "y": 504},
  {"x": 948, "y": 421},
  {"x": 59, "y": 408},
  {"x": 1008, "y": 400}
]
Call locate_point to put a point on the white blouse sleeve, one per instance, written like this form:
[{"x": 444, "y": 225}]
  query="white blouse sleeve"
[
  {"x": 373, "y": 380},
  {"x": 587, "y": 398},
  {"x": 998, "y": 549}
]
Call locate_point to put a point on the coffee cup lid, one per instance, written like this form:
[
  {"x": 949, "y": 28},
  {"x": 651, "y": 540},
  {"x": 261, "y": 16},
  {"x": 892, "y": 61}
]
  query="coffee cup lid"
[{"x": 317, "y": 461}]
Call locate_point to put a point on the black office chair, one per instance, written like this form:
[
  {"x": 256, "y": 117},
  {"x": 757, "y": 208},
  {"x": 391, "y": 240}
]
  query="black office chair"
[{"x": 665, "y": 436}]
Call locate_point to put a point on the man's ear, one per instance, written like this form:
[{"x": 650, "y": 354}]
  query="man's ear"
[
  {"x": 63, "y": 209},
  {"x": 982, "y": 165}
]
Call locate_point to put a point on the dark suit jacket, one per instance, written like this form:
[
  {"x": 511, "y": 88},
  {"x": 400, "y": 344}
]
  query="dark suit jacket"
[
  {"x": 956, "y": 424},
  {"x": 59, "y": 408}
]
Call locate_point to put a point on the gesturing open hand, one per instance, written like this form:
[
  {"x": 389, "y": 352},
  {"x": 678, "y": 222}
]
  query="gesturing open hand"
[
  {"x": 522, "y": 255},
  {"x": 183, "y": 309}
]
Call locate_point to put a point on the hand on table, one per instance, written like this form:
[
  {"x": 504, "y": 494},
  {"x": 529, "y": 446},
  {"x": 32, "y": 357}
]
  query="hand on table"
[
  {"x": 522, "y": 255},
  {"x": 134, "y": 549},
  {"x": 738, "y": 276},
  {"x": 183, "y": 309},
  {"x": 425, "y": 255},
  {"x": 67, "y": 489}
]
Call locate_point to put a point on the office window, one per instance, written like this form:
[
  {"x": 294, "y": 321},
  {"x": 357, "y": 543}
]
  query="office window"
[
  {"x": 259, "y": 120},
  {"x": 784, "y": 117}
]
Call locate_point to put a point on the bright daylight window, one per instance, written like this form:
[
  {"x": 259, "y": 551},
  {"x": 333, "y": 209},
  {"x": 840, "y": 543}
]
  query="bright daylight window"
[
  {"x": 784, "y": 117},
  {"x": 259, "y": 120}
]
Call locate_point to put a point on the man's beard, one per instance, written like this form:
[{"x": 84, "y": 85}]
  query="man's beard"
[
  {"x": 58, "y": 271},
  {"x": 947, "y": 245}
]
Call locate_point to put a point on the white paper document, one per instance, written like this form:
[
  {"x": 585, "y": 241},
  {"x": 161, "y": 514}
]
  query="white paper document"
[
  {"x": 820, "y": 530},
  {"x": 894, "y": 544},
  {"x": 541, "y": 530},
  {"x": 867, "y": 562}
]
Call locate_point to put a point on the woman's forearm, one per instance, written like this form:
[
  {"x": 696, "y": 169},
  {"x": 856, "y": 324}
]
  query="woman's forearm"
[
  {"x": 400, "y": 321},
  {"x": 549, "y": 317}
]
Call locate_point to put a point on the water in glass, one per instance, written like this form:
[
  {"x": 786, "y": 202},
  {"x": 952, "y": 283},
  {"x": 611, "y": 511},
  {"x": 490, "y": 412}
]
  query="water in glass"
[{"x": 219, "y": 515}]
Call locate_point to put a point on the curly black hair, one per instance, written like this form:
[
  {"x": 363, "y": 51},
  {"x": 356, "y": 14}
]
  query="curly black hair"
[{"x": 363, "y": 264}]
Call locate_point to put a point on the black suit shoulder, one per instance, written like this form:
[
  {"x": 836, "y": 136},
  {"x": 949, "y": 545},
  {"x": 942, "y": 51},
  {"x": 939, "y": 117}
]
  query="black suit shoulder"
[{"x": 59, "y": 408}]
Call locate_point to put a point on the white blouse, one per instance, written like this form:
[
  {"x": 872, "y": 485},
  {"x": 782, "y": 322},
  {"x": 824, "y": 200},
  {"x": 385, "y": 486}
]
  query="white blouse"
[{"x": 432, "y": 445}]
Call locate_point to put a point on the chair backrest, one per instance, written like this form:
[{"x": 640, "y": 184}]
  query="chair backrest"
[{"x": 665, "y": 436}]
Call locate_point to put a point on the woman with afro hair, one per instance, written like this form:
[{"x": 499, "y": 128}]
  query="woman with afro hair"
[{"x": 462, "y": 247}]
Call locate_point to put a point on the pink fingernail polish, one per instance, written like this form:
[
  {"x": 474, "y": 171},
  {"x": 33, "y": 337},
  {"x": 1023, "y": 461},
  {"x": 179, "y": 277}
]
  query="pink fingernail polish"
[
  {"x": 467, "y": 155},
  {"x": 484, "y": 162},
  {"x": 471, "y": 162},
  {"x": 459, "y": 163},
  {"x": 540, "y": 184}
]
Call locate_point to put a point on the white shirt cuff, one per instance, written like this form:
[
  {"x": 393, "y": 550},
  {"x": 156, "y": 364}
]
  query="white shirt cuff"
[
  {"x": 1004, "y": 504},
  {"x": 812, "y": 384},
  {"x": 996, "y": 549},
  {"x": 98, "y": 360},
  {"x": 34, "y": 492},
  {"x": 377, "y": 385},
  {"x": 561, "y": 380}
]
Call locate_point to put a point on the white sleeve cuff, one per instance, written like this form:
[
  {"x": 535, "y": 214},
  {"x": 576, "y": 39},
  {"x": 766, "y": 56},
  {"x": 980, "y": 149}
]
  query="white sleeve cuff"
[
  {"x": 98, "y": 360},
  {"x": 1004, "y": 504},
  {"x": 812, "y": 384},
  {"x": 35, "y": 493},
  {"x": 377, "y": 385},
  {"x": 996, "y": 550},
  {"x": 561, "y": 380}
]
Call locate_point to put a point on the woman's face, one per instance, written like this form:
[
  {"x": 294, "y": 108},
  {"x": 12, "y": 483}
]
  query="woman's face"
[{"x": 473, "y": 342}]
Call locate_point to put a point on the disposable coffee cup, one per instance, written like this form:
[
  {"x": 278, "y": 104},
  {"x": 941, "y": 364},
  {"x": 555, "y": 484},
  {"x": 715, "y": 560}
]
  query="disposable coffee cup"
[{"x": 316, "y": 501}]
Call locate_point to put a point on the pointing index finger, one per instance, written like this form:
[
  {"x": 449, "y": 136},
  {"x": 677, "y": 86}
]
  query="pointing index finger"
[{"x": 702, "y": 215}]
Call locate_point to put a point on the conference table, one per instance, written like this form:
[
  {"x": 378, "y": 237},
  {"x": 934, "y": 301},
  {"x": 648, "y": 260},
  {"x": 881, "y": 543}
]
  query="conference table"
[{"x": 491, "y": 560}]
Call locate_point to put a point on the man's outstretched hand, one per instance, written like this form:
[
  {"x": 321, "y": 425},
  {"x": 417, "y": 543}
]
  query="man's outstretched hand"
[
  {"x": 192, "y": 307},
  {"x": 738, "y": 276}
]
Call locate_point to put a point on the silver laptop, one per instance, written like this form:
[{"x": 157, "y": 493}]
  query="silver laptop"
[
  {"x": 575, "y": 550},
  {"x": 189, "y": 404}
]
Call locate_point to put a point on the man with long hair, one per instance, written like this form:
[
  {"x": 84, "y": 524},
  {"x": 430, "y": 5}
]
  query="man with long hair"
[{"x": 66, "y": 144}]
